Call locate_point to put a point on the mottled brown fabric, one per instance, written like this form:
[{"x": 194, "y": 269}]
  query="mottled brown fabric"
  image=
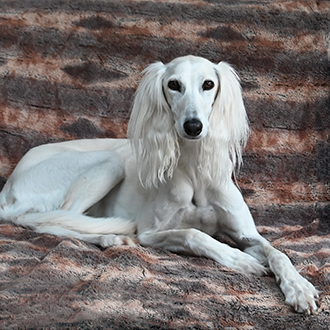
[
  {"x": 58, "y": 283},
  {"x": 69, "y": 69}
]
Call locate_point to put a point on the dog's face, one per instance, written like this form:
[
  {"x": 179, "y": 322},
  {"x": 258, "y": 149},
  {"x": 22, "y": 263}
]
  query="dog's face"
[{"x": 190, "y": 86}]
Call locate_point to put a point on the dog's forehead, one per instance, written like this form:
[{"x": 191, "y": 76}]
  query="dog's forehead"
[{"x": 190, "y": 66}]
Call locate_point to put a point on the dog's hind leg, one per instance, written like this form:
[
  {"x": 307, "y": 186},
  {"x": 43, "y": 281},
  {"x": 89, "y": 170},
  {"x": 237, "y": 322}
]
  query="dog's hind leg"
[
  {"x": 94, "y": 183},
  {"x": 69, "y": 180},
  {"x": 101, "y": 231},
  {"x": 52, "y": 196}
]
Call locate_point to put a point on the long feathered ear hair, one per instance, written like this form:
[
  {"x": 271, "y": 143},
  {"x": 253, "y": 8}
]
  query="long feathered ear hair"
[
  {"x": 221, "y": 151},
  {"x": 228, "y": 120},
  {"x": 151, "y": 129}
]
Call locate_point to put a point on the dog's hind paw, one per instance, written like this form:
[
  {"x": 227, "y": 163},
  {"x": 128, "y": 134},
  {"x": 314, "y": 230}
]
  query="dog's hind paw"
[{"x": 110, "y": 240}]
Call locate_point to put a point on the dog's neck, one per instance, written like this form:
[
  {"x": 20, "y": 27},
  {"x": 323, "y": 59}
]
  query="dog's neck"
[{"x": 206, "y": 160}]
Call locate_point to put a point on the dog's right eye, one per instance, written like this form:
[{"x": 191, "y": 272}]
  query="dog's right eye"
[{"x": 174, "y": 85}]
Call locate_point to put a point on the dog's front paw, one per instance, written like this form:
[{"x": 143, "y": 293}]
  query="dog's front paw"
[
  {"x": 300, "y": 294},
  {"x": 243, "y": 263},
  {"x": 252, "y": 266}
]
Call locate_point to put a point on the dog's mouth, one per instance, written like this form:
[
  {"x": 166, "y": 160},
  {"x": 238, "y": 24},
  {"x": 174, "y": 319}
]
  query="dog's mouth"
[{"x": 187, "y": 137}]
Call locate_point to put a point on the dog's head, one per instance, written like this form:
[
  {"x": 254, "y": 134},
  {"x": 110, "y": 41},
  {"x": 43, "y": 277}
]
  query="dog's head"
[
  {"x": 189, "y": 98},
  {"x": 190, "y": 86}
]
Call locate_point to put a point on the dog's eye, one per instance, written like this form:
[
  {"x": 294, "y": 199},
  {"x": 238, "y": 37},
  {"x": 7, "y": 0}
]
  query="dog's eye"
[
  {"x": 207, "y": 85},
  {"x": 174, "y": 85}
]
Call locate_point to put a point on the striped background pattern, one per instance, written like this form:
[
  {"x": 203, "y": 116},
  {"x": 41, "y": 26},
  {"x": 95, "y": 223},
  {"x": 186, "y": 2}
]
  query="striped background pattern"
[{"x": 69, "y": 69}]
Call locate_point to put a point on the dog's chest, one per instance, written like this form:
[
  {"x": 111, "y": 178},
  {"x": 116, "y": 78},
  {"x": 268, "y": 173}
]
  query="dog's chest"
[{"x": 201, "y": 213}]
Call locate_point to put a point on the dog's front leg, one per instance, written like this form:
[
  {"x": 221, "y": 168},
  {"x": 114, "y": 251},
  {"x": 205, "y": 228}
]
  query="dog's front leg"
[
  {"x": 194, "y": 242},
  {"x": 239, "y": 225},
  {"x": 163, "y": 223},
  {"x": 298, "y": 292}
]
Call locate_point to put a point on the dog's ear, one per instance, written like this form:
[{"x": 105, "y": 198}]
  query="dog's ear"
[
  {"x": 229, "y": 120},
  {"x": 151, "y": 129}
]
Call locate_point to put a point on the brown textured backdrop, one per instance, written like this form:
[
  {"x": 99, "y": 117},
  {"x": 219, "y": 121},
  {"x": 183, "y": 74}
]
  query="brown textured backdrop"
[{"x": 68, "y": 69}]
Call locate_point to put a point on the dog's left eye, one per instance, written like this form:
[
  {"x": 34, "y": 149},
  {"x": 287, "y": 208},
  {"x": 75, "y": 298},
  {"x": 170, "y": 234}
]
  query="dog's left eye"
[{"x": 207, "y": 85}]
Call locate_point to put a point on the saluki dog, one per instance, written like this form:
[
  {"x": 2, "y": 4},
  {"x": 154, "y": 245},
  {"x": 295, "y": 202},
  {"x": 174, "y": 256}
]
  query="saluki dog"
[{"x": 169, "y": 185}]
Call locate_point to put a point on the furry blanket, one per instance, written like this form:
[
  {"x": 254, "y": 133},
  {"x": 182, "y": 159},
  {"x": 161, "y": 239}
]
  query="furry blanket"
[
  {"x": 48, "y": 282},
  {"x": 68, "y": 70}
]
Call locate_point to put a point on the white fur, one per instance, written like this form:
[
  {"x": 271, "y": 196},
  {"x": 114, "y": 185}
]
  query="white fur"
[{"x": 170, "y": 188}]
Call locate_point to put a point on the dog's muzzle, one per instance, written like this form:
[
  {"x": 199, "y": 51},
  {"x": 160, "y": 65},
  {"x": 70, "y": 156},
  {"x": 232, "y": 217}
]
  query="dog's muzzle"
[{"x": 193, "y": 127}]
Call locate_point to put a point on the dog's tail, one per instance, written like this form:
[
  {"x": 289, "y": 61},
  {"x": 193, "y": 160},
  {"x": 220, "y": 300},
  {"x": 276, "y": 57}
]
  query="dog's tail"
[{"x": 68, "y": 223}]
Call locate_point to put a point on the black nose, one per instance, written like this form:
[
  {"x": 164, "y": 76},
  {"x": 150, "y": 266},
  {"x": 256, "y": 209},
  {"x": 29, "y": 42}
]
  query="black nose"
[{"x": 193, "y": 127}]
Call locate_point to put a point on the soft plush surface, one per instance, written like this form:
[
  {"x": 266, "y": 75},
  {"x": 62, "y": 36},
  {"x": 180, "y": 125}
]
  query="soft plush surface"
[
  {"x": 50, "y": 282},
  {"x": 69, "y": 69}
]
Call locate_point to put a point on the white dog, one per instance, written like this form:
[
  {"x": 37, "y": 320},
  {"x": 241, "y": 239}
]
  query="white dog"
[{"x": 171, "y": 185}]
